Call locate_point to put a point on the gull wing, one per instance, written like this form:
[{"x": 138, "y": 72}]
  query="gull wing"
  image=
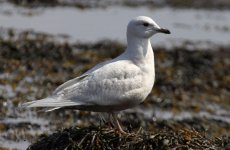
[
  {"x": 107, "y": 85},
  {"x": 69, "y": 83},
  {"x": 77, "y": 79}
]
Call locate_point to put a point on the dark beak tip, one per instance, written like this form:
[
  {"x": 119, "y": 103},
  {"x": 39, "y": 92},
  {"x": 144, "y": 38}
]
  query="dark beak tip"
[{"x": 166, "y": 31}]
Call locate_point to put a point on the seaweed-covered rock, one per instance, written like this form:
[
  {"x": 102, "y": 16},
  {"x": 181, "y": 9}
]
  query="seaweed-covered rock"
[{"x": 104, "y": 138}]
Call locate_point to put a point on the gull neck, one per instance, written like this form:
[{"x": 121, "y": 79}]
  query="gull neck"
[{"x": 139, "y": 48}]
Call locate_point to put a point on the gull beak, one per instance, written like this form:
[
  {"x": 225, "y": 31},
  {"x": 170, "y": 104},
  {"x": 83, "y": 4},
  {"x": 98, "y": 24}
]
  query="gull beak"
[{"x": 162, "y": 30}]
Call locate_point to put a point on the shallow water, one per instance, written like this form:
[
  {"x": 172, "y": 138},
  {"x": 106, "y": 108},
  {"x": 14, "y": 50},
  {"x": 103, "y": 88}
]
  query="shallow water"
[
  {"x": 20, "y": 145},
  {"x": 203, "y": 27},
  {"x": 217, "y": 113}
]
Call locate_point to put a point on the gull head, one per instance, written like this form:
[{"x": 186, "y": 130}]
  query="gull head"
[{"x": 144, "y": 27}]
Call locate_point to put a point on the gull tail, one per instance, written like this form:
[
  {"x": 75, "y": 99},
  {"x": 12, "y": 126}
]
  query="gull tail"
[
  {"x": 46, "y": 102},
  {"x": 51, "y": 102}
]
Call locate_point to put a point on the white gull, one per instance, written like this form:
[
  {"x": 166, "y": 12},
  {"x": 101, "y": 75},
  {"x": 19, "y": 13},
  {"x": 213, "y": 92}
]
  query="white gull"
[{"x": 114, "y": 85}]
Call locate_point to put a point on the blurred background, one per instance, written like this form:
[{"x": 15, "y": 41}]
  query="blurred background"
[{"x": 45, "y": 43}]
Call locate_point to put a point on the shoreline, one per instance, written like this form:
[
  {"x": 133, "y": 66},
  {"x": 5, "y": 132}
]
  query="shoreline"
[{"x": 194, "y": 81}]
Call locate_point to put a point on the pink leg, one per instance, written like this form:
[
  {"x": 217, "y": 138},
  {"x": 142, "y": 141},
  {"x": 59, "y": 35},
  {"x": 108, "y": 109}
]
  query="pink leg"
[{"x": 118, "y": 124}]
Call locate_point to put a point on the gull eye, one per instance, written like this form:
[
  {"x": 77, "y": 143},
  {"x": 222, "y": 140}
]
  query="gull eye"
[{"x": 145, "y": 24}]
